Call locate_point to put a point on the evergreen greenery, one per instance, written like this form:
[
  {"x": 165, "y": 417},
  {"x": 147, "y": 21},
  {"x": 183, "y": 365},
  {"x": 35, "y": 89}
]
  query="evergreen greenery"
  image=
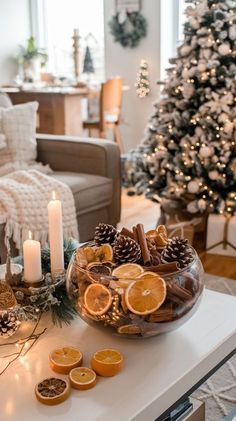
[
  {"x": 129, "y": 32},
  {"x": 31, "y": 51},
  {"x": 188, "y": 153},
  {"x": 88, "y": 62},
  {"x": 52, "y": 295}
]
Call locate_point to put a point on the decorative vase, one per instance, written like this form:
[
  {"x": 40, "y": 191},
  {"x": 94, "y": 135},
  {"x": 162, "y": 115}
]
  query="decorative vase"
[
  {"x": 184, "y": 288},
  {"x": 32, "y": 70}
]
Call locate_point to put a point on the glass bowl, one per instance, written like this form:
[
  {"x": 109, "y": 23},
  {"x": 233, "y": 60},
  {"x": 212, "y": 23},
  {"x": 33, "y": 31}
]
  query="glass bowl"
[{"x": 184, "y": 290}]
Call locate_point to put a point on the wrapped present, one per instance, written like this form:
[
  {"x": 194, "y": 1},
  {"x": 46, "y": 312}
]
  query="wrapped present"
[
  {"x": 221, "y": 235},
  {"x": 177, "y": 226},
  {"x": 172, "y": 209}
]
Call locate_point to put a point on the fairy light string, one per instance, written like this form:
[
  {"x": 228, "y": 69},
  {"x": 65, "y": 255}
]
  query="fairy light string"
[{"x": 24, "y": 345}]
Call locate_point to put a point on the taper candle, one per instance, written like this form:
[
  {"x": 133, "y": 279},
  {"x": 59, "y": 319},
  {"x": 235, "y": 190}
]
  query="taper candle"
[
  {"x": 32, "y": 260},
  {"x": 55, "y": 235}
]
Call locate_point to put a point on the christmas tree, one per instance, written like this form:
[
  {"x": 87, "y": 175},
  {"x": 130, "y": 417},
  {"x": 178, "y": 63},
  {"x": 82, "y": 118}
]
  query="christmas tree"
[
  {"x": 188, "y": 152},
  {"x": 88, "y": 62},
  {"x": 142, "y": 82}
]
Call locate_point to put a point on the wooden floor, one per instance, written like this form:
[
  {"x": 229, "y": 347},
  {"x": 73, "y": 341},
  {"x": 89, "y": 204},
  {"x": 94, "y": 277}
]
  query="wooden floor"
[{"x": 137, "y": 209}]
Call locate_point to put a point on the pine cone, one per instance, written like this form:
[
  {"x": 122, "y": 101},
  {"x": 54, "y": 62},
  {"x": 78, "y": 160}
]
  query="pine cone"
[
  {"x": 177, "y": 250},
  {"x": 105, "y": 233},
  {"x": 126, "y": 250},
  {"x": 8, "y": 323}
]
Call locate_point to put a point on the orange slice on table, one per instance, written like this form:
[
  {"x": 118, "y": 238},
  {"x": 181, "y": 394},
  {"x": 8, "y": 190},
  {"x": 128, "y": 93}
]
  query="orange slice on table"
[
  {"x": 82, "y": 378},
  {"x": 62, "y": 360},
  {"x": 52, "y": 391},
  {"x": 107, "y": 362},
  {"x": 128, "y": 271},
  {"x": 146, "y": 294},
  {"x": 97, "y": 299}
]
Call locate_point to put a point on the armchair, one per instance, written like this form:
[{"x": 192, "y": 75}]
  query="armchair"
[{"x": 91, "y": 168}]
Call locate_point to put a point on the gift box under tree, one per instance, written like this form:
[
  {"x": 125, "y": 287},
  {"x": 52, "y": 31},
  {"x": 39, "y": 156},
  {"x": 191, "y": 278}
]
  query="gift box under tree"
[{"x": 221, "y": 235}]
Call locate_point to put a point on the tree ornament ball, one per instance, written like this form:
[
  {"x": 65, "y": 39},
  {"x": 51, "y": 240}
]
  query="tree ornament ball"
[
  {"x": 205, "y": 152},
  {"x": 213, "y": 175},
  {"x": 202, "y": 204},
  {"x": 224, "y": 49},
  {"x": 232, "y": 32},
  {"x": 230, "y": 3},
  {"x": 192, "y": 207},
  {"x": 195, "y": 23},
  {"x": 199, "y": 131},
  {"x": 185, "y": 50},
  {"x": 193, "y": 187},
  {"x": 201, "y": 67}
]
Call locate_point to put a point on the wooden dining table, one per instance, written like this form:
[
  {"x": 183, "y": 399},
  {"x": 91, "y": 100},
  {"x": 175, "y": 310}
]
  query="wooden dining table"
[{"x": 59, "y": 109}]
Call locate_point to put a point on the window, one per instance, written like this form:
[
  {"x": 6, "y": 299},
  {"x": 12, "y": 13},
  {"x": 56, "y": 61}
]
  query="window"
[
  {"x": 172, "y": 20},
  {"x": 182, "y": 19},
  {"x": 53, "y": 23}
]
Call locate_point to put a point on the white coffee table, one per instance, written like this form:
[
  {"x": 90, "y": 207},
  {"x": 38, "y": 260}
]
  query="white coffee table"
[{"x": 159, "y": 371}]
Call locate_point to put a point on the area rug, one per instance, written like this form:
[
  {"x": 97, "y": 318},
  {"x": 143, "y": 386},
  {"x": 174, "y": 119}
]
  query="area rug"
[{"x": 219, "y": 391}]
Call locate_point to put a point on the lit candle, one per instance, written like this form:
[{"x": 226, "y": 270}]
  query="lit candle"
[
  {"x": 55, "y": 235},
  {"x": 32, "y": 260}
]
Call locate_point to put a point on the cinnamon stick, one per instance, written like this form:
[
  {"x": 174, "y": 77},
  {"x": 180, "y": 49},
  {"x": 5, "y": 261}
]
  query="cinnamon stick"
[
  {"x": 135, "y": 234},
  {"x": 163, "y": 314},
  {"x": 127, "y": 233},
  {"x": 164, "y": 268},
  {"x": 143, "y": 243},
  {"x": 175, "y": 290}
]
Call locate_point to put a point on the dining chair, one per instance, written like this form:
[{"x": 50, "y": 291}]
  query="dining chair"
[{"x": 109, "y": 111}]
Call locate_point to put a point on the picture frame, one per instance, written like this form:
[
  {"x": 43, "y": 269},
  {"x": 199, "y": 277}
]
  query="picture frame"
[{"x": 128, "y": 5}]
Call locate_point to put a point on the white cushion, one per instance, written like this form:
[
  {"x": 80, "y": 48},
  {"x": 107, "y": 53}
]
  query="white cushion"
[
  {"x": 17, "y": 127},
  {"x": 5, "y": 100}
]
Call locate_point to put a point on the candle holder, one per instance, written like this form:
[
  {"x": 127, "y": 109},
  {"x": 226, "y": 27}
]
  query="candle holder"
[{"x": 33, "y": 284}]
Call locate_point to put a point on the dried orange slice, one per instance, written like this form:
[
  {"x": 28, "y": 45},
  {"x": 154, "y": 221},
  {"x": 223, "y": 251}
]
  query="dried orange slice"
[
  {"x": 52, "y": 391},
  {"x": 146, "y": 294},
  {"x": 159, "y": 236},
  {"x": 107, "y": 362},
  {"x": 104, "y": 253},
  {"x": 97, "y": 299},
  {"x": 82, "y": 378},
  {"x": 128, "y": 271},
  {"x": 99, "y": 268},
  {"x": 81, "y": 258},
  {"x": 90, "y": 254},
  {"x": 62, "y": 360},
  {"x": 129, "y": 329}
]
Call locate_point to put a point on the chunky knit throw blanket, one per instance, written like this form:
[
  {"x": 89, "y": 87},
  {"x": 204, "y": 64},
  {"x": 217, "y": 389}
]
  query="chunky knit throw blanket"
[{"x": 24, "y": 196}]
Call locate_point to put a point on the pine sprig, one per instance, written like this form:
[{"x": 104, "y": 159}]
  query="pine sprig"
[
  {"x": 54, "y": 299},
  {"x": 63, "y": 311}
]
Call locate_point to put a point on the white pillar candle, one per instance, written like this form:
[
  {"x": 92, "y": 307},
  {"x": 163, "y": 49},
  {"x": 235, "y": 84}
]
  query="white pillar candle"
[
  {"x": 32, "y": 260},
  {"x": 55, "y": 235}
]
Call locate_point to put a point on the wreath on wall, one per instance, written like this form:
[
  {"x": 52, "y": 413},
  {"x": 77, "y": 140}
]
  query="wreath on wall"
[{"x": 128, "y": 28}]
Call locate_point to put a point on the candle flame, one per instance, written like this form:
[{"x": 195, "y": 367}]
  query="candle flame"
[
  {"x": 53, "y": 195},
  {"x": 30, "y": 235}
]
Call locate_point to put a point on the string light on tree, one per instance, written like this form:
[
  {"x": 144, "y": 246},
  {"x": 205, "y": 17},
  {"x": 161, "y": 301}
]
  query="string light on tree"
[
  {"x": 193, "y": 128},
  {"x": 142, "y": 82}
]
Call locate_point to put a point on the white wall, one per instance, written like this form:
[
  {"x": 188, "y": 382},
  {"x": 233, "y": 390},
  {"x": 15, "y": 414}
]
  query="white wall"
[
  {"x": 14, "y": 30},
  {"x": 125, "y": 62}
]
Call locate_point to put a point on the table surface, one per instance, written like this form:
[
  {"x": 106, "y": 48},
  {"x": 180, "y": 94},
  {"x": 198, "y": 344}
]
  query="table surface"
[{"x": 158, "y": 371}]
